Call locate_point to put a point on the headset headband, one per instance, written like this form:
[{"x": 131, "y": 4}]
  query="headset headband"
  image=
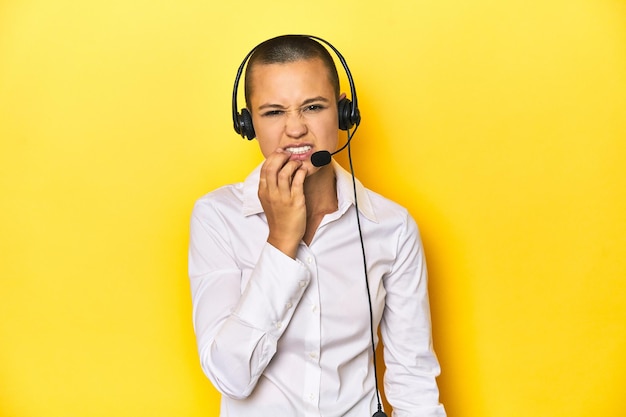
[{"x": 349, "y": 114}]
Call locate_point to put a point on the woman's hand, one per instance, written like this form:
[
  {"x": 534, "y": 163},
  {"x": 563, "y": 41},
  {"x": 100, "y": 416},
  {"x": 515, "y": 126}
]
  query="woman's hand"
[{"x": 281, "y": 191}]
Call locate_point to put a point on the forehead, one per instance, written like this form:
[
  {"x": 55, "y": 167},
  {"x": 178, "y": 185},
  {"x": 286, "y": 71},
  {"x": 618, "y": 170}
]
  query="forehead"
[{"x": 302, "y": 75}]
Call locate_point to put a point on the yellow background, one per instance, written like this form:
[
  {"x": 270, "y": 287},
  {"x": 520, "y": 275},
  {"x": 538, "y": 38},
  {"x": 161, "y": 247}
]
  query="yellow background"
[{"x": 501, "y": 125}]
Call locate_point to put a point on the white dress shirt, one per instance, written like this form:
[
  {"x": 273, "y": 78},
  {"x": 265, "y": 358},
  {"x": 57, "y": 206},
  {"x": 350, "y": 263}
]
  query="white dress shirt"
[{"x": 284, "y": 337}]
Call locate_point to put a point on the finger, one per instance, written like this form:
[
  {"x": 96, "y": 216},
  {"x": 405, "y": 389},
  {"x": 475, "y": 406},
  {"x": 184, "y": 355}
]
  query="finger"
[
  {"x": 297, "y": 183},
  {"x": 285, "y": 177},
  {"x": 271, "y": 167}
]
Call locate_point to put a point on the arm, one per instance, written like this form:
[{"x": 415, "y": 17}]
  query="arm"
[
  {"x": 237, "y": 332},
  {"x": 411, "y": 363}
]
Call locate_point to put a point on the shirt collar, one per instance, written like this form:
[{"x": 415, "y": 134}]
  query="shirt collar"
[{"x": 345, "y": 193}]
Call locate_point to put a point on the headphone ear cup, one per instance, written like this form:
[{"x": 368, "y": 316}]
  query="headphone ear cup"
[
  {"x": 245, "y": 125},
  {"x": 344, "y": 108},
  {"x": 348, "y": 116}
]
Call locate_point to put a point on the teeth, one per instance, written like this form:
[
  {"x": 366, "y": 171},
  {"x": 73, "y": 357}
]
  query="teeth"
[{"x": 299, "y": 150}]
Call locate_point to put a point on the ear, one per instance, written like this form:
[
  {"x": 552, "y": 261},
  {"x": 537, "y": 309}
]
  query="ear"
[{"x": 341, "y": 97}]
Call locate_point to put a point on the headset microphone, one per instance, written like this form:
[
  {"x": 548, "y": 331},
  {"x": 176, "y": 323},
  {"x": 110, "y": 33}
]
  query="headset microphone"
[{"x": 321, "y": 158}]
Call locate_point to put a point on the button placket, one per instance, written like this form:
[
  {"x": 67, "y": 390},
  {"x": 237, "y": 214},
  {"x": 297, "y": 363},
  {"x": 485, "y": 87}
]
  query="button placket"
[{"x": 311, "y": 353}]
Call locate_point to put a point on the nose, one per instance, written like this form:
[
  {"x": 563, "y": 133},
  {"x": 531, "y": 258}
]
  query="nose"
[{"x": 295, "y": 125}]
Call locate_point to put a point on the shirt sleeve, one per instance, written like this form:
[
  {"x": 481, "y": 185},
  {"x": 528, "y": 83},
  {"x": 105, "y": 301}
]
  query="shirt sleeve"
[
  {"x": 411, "y": 365},
  {"x": 237, "y": 331}
]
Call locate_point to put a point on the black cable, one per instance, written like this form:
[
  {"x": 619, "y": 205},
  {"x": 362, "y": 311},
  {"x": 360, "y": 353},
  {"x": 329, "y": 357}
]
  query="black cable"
[{"x": 379, "y": 413}]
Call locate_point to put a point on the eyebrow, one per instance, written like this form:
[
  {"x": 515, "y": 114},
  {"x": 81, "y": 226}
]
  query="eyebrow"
[{"x": 304, "y": 103}]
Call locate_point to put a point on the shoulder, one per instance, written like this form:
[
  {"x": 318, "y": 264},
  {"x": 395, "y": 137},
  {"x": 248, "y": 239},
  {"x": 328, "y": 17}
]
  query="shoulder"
[
  {"x": 388, "y": 211},
  {"x": 373, "y": 206},
  {"x": 226, "y": 198},
  {"x": 384, "y": 205},
  {"x": 236, "y": 198}
]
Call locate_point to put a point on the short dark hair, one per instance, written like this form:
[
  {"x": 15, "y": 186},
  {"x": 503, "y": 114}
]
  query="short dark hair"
[{"x": 290, "y": 48}]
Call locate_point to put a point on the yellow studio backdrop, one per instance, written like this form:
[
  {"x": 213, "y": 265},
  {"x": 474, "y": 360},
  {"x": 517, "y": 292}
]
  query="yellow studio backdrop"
[{"x": 500, "y": 125}]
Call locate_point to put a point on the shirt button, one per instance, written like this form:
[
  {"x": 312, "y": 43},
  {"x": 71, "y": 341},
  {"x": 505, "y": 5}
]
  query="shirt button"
[
  {"x": 309, "y": 260},
  {"x": 313, "y": 355},
  {"x": 288, "y": 306},
  {"x": 302, "y": 284},
  {"x": 279, "y": 325},
  {"x": 314, "y": 308}
]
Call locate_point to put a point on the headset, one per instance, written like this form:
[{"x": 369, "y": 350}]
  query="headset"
[{"x": 349, "y": 114}]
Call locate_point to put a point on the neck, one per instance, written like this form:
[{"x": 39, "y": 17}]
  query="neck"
[{"x": 320, "y": 191}]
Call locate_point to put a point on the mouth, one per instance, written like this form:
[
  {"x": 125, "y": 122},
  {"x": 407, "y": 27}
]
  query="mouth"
[
  {"x": 299, "y": 150},
  {"x": 299, "y": 153}
]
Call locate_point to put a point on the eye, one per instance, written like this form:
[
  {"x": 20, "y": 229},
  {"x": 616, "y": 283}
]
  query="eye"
[
  {"x": 272, "y": 113},
  {"x": 314, "y": 108}
]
